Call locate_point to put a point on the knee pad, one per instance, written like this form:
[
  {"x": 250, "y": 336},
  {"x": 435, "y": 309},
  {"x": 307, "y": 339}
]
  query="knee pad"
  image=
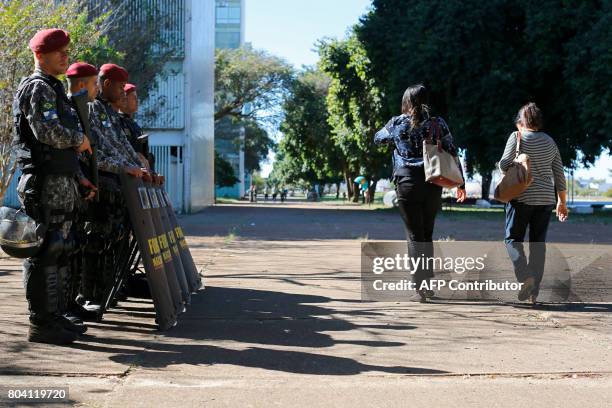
[{"x": 53, "y": 248}]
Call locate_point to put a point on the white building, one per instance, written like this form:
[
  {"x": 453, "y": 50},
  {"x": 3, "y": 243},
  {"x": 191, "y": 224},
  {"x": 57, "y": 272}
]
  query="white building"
[{"x": 182, "y": 133}]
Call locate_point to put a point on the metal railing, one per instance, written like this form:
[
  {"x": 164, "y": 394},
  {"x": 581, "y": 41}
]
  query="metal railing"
[{"x": 169, "y": 162}]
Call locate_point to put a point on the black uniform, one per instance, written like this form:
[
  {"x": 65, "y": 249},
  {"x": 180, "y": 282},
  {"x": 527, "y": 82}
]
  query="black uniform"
[
  {"x": 47, "y": 133},
  {"x": 107, "y": 230}
]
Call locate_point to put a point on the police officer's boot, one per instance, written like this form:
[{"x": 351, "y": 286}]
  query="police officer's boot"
[
  {"x": 46, "y": 324},
  {"x": 69, "y": 321},
  {"x": 75, "y": 309},
  {"x": 92, "y": 261}
]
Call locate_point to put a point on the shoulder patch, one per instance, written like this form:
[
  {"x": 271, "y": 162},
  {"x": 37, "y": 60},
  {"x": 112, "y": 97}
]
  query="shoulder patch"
[{"x": 49, "y": 115}]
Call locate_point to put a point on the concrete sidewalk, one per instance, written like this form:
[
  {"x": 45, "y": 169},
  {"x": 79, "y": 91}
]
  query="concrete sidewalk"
[{"x": 281, "y": 323}]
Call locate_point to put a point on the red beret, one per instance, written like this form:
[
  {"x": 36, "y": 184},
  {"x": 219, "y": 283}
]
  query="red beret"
[
  {"x": 80, "y": 70},
  {"x": 49, "y": 40},
  {"x": 129, "y": 88},
  {"x": 114, "y": 72}
]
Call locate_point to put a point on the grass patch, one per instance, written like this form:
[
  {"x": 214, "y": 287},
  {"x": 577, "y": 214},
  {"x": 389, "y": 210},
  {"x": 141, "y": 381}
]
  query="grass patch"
[
  {"x": 497, "y": 214},
  {"x": 224, "y": 200},
  {"x": 472, "y": 213},
  {"x": 231, "y": 236},
  {"x": 598, "y": 217}
]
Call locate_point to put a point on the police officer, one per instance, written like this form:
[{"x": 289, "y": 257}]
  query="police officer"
[
  {"x": 84, "y": 76},
  {"x": 48, "y": 138},
  {"x": 139, "y": 141},
  {"x": 108, "y": 230}
]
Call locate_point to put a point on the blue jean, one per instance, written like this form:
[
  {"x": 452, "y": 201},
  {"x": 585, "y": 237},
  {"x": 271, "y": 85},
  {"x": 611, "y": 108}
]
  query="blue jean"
[{"x": 519, "y": 216}]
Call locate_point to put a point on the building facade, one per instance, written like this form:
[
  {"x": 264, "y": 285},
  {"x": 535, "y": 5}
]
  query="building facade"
[
  {"x": 181, "y": 132},
  {"x": 229, "y": 139}
]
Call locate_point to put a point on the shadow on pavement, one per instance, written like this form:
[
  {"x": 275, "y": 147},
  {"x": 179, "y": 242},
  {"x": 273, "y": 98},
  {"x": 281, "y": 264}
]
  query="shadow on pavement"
[{"x": 252, "y": 319}]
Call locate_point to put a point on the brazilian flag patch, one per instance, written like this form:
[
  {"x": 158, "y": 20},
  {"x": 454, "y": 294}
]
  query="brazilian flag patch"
[{"x": 49, "y": 111}]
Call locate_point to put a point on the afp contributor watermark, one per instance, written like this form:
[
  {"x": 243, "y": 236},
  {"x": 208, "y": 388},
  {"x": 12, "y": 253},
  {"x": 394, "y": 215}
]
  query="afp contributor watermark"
[
  {"x": 438, "y": 284},
  {"x": 485, "y": 270}
]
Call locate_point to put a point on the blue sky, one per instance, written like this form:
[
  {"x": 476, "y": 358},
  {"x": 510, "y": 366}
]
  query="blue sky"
[{"x": 289, "y": 28}]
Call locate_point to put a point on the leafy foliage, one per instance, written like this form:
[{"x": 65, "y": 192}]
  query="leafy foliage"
[
  {"x": 356, "y": 110},
  {"x": 257, "y": 145},
  {"x": 483, "y": 60},
  {"x": 249, "y": 83},
  {"x": 19, "y": 21},
  {"x": 307, "y": 136},
  {"x": 224, "y": 172}
]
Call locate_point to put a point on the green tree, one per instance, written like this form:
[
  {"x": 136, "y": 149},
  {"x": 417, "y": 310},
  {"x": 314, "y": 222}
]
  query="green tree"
[
  {"x": 249, "y": 87},
  {"x": 307, "y": 135},
  {"x": 257, "y": 145},
  {"x": 249, "y": 83},
  {"x": 150, "y": 36},
  {"x": 287, "y": 171},
  {"x": 224, "y": 172},
  {"x": 587, "y": 67},
  {"x": 483, "y": 60},
  {"x": 356, "y": 111},
  {"x": 19, "y": 21}
]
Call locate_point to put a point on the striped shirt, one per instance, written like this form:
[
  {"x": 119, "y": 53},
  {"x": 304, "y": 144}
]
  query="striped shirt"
[{"x": 546, "y": 167}]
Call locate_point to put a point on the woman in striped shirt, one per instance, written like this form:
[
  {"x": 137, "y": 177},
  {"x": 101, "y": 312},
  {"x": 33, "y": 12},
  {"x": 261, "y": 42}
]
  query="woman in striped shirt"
[{"x": 534, "y": 206}]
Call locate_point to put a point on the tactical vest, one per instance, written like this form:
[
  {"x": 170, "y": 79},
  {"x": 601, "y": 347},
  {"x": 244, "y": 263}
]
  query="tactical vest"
[{"x": 32, "y": 155}]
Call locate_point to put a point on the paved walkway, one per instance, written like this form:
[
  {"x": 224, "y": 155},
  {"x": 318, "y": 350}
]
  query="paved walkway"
[{"x": 281, "y": 323}]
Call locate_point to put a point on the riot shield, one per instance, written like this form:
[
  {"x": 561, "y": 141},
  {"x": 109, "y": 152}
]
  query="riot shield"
[
  {"x": 191, "y": 272},
  {"x": 160, "y": 232},
  {"x": 139, "y": 208},
  {"x": 172, "y": 242}
]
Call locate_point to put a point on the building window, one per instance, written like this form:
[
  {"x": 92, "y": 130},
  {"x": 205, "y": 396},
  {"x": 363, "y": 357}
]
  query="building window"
[
  {"x": 228, "y": 14},
  {"x": 227, "y": 40}
]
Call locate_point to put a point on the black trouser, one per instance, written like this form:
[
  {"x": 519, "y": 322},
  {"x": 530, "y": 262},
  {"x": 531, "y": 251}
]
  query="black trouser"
[
  {"x": 518, "y": 217},
  {"x": 47, "y": 277},
  {"x": 418, "y": 203}
]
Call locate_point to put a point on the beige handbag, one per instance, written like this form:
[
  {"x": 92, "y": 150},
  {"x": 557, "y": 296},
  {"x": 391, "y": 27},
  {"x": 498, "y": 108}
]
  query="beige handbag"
[
  {"x": 441, "y": 168},
  {"x": 517, "y": 178}
]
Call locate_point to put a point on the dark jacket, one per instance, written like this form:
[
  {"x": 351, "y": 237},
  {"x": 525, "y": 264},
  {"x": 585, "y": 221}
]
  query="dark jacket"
[{"x": 408, "y": 142}]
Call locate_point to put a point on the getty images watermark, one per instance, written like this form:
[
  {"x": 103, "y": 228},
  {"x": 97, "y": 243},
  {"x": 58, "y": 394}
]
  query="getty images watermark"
[
  {"x": 409, "y": 265},
  {"x": 482, "y": 270}
]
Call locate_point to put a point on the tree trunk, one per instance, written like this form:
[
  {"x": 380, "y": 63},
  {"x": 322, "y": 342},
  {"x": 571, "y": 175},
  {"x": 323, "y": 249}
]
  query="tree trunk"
[
  {"x": 347, "y": 180},
  {"x": 372, "y": 191},
  {"x": 486, "y": 185},
  {"x": 337, "y": 190}
]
